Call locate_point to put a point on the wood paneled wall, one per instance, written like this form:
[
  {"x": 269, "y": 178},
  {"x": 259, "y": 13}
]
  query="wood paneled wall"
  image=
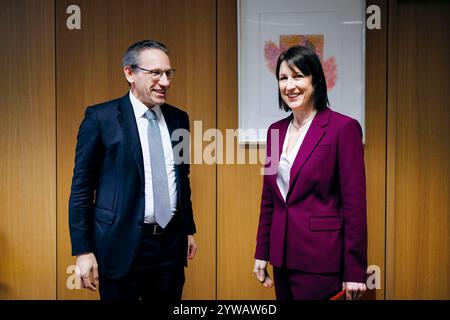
[
  {"x": 89, "y": 70},
  {"x": 418, "y": 242},
  {"x": 27, "y": 150},
  {"x": 375, "y": 144},
  {"x": 238, "y": 186}
]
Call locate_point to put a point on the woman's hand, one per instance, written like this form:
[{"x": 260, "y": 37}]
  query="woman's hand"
[
  {"x": 260, "y": 270},
  {"x": 354, "y": 290}
]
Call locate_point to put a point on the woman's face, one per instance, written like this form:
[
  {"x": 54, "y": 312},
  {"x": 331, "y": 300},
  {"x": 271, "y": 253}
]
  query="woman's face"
[{"x": 296, "y": 89}]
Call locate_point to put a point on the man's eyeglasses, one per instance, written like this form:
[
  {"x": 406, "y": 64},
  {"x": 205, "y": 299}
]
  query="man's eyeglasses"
[{"x": 156, "y": 74}]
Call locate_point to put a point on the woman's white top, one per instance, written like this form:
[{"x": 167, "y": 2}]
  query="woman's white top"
[{"x": 287, "y": 160}]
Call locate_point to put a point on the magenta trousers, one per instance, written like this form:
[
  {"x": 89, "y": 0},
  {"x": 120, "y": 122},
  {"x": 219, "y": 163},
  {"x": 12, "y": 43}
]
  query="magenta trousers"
[{"x": 292, "y": 284}]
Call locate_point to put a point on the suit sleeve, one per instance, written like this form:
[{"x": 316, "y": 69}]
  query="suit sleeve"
[
  {"x": 353, "y": 201},
  {"x": 88, "y": 154},
  {"x": 266, "y": 211},
  {"x": 188, "y": 212}
]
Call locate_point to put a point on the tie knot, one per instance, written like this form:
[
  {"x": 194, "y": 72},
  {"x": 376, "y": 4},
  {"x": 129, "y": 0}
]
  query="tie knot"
[{"x": 151, "y": 115}]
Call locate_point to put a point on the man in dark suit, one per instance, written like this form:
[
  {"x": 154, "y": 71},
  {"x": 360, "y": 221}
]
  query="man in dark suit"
[{"x": 130, "y": 212}]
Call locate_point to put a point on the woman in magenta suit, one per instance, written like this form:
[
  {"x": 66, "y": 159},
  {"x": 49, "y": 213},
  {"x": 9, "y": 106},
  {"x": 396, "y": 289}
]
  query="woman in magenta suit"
[{"x": 312, "y": 225}]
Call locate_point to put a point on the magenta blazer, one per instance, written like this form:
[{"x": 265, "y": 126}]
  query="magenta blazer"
[{"x": 321, "y": 227}]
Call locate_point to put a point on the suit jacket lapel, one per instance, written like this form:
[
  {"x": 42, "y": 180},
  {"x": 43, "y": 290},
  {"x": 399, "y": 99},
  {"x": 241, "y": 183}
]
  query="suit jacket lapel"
[
  {"x": 281, "y": 136},
  {"x": 313, "y": 136},
  {"x": 172, "y": 124},
  {"x": 127, "y": 121}
]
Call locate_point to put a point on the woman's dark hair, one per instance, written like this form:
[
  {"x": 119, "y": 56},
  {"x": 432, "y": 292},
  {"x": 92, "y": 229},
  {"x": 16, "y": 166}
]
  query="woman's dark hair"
[{"x": 307, "y": 61}]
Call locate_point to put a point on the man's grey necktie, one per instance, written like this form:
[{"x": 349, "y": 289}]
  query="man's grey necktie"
[{"x": 161, "y": 200}]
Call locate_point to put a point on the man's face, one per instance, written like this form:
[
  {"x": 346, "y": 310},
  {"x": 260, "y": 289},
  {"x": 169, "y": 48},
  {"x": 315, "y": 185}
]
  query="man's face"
[{"x": 146, "y": 87}]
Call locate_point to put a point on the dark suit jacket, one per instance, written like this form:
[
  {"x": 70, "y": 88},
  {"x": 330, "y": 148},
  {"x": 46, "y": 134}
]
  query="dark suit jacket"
[
  {"x": 321, "y": 227},
  {"x": 106, "y": 206}
]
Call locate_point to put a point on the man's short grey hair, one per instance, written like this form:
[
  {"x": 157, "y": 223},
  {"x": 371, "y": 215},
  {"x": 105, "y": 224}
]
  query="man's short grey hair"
[{"x": 131, "y": 56}]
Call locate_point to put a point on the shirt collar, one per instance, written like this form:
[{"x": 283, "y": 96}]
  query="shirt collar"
[{"x": 140, "y": 109}]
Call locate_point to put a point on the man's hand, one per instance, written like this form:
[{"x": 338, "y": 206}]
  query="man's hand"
[
  {"x": 260, "y": 270},
  {"x": 192, "y": 247},
  {"x": 87, "y": 270},
  {"x": 354, "y": 290}
]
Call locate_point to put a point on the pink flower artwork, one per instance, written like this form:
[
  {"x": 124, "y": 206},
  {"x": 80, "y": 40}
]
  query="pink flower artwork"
[{"x": 314, "y": 42}]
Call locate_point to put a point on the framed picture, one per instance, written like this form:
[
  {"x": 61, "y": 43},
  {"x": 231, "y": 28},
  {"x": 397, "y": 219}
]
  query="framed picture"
[{"x": 335, "y": 29}]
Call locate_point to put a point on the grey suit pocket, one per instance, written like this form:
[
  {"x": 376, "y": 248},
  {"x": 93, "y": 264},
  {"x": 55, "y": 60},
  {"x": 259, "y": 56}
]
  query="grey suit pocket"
[
  {"x": 325, "y": 223},
  {"x": 104, "y": 215}
]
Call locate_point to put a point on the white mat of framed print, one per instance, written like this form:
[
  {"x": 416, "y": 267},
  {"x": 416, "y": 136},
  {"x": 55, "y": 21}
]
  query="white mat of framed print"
[{"x": 335, "y": 29}]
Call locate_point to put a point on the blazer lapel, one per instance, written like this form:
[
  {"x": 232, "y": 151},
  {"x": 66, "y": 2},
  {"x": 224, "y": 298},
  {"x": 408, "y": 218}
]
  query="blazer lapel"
[
  {"x": 313, "y": 136},
  {"x": 172, "y": 124},
  {"x": 127, "y": 121},
  {"x": 281, "y": 136}
]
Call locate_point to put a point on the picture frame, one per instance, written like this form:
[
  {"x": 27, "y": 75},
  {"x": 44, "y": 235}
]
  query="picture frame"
[{"x": 335, "y": 29}]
